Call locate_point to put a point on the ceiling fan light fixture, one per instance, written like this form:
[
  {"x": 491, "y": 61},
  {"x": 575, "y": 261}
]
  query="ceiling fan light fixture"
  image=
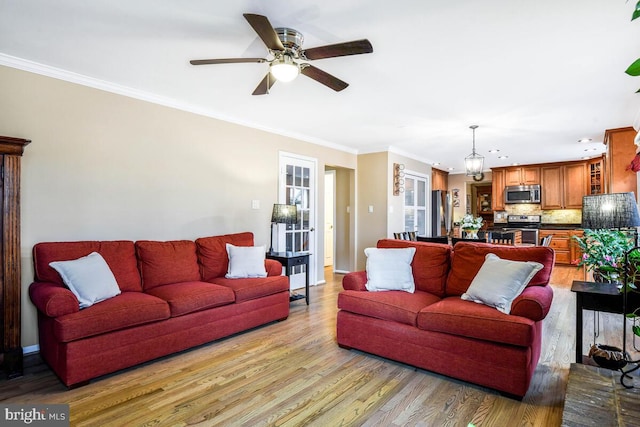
[
  {"x": 284, "y": 69},
  {"x": 474, "y": 162}
]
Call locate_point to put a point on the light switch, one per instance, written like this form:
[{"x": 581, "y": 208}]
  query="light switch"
[
  {"x": 370, "y": 208},
  {"x": 255, "y": 204}
]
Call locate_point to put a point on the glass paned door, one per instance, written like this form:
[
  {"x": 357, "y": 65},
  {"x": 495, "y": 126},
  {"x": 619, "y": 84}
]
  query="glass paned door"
[
  {"x": 415, "y": 204},
  {"x": 298, "y": 188}
]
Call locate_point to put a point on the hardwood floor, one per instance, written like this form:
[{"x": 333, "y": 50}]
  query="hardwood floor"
[{"x": 293, "y": 373}]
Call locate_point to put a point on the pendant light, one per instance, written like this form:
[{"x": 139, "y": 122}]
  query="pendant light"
[{"x": 474, "y": 162}]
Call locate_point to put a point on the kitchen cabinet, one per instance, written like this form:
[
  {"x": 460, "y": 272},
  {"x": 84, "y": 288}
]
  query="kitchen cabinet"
[
  {"x": 497, "y": 189},
  {"x": 564, "y": 244},
  {"x": 596, "y": 175},
  {"x": 563, "y": 185},
  {"x": 620, "y": 152},
  {"x": 525, "y": 175},
  {"x": 439, "y": 179}
]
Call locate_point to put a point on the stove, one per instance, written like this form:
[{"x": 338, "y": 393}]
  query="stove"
[{"x": 528, "y": 226}]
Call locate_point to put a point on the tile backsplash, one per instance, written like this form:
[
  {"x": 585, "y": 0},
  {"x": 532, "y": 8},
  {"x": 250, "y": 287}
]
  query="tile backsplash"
[{"x": 560, "y": 216}]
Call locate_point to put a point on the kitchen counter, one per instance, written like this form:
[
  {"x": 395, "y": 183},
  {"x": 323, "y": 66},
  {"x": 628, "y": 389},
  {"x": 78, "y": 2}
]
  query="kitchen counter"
[{"x": 555, "y": 226}]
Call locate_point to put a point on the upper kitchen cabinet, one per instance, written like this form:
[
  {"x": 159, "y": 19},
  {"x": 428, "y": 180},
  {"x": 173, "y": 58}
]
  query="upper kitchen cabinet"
[
  {"x": 497, "y": 190},
  {"x": 620, "y": 153},
  {"x": 596, "y": 175},
  {"x": 525, "y": 175},
  {"x": 563, "y": 185},
  {"x": 439, "y": 179}
]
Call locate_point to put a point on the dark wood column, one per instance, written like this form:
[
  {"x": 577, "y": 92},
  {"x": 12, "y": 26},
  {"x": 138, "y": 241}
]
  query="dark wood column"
[{"x": 10, "y": 278}]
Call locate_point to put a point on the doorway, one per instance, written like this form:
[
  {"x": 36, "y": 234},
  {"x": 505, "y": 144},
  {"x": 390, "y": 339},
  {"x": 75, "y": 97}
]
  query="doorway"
[{"x": 329, "y": 217}]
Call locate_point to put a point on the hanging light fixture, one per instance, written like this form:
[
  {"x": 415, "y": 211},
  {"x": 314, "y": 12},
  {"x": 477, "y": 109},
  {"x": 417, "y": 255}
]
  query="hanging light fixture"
[{"x": 473, "y": 163}]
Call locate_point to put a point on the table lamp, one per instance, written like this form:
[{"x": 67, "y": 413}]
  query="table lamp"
[
  {"x": 282, "y": 214},
  {"x": 614, "y": 211}
]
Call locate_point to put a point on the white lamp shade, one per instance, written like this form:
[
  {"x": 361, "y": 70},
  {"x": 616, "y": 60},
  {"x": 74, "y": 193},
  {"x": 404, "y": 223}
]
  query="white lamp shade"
[{"x": 284, "y": 69}]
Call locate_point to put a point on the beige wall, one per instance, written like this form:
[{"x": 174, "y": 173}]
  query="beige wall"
[
  {"x": 105, "y": 166},
  {"x": 373, "y": 187}
]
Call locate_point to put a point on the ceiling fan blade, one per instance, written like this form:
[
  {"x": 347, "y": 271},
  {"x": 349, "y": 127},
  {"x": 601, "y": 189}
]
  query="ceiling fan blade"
[
  {"x": 262, "y": 26},
  {"x": 323, "y": 77},
  {"x": 226, "y": 61},
  {"x": 265, "y": 85},
  {"x": 355, "y": 47}
]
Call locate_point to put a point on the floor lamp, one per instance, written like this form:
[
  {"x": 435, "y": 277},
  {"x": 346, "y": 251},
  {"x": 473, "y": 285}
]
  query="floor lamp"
[
  {"x": 615, "y": 211},
  {"x": 282, "y": 214}
]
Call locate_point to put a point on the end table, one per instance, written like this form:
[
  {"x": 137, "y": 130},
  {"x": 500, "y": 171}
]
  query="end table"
[{"x": 292, "y": 259}]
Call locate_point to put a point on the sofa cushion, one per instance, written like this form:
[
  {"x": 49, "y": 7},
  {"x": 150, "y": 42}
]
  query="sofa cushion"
[
  {"x": 469, "y": 257},
  {"x": 389, "y": 269},
  {"x": 252, "y": 288},
  {"x": 430, "y": 263},
  {"x": 162, "y": 263},
  {"x": 187, "y": 297},
  {"x": 89, "y": 278},
  {"x": 455, "y": 316},
  {"x": 212, "y": 253},
  {"x": 123, "y": 311},
  {"x": 245, "y": 261},
  {"x": 120, "y": 255},
  {"x": 500, "y": 281},
  {"x": 397, "y": 306}
]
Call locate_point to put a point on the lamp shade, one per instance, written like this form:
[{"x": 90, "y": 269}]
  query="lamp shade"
[
  {"x": 615, "y": 210},
  {"x": 284, "y": 214}
]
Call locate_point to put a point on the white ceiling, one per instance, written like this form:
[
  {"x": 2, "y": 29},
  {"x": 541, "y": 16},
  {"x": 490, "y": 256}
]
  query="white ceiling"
[{"x": 536, "y": 76}]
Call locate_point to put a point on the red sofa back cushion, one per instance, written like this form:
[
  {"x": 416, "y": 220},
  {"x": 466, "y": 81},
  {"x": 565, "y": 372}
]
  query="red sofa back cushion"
[
  {"x": 469, "y": 257},
  {"x": 162, "y": 263},
  {"x": 120, "y": 255},
  {"x": 212, "y": 253},
  {"x": 430, "y": 263}
]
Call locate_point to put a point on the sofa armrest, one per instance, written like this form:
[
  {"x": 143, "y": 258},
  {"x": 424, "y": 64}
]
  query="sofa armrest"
[
  {"x": 533, "y": 303},
  {"x": 273, "y": 267},
  {"x": 52, "y": 299},
  {"x": 355, "y": 281}
]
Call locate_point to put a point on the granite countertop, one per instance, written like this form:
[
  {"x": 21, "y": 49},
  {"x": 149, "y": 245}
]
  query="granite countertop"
[{"x": 544, "y": 226}]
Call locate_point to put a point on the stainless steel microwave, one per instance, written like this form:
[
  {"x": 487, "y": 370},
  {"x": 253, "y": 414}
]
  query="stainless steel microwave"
[{"x": 522, "y": 194}]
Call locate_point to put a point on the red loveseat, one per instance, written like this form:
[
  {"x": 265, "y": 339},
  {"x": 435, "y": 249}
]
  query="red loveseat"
[
  {"x": 435, "y": 329},
  {"x": 173, "y": 296}
]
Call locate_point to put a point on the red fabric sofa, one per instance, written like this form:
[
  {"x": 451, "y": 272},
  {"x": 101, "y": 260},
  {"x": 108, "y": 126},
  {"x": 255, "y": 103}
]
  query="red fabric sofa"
[
  {"x": 436, "y": 330},
  {"x": 173, "y": 296}
]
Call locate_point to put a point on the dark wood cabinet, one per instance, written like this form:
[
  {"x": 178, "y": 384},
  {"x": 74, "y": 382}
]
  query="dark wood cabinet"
[{"x": 11, "y": 150}]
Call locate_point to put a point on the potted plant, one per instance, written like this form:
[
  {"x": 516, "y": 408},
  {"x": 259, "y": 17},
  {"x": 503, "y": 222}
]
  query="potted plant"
[
  {"x": 603, "y": 253},
  {"x": 470, "y": 225}
]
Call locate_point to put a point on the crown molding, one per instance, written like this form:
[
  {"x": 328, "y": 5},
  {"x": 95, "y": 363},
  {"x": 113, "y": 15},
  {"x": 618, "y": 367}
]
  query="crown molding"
[{"x": 71, "y": 77}]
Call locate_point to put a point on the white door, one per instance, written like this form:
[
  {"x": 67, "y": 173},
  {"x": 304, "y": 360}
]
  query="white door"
[
  {"x": 329, "y": 203},
  {"x": 298, "y": 187}
]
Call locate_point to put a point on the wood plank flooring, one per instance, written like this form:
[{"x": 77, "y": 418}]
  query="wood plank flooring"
[{"x": 292, "y": 373}]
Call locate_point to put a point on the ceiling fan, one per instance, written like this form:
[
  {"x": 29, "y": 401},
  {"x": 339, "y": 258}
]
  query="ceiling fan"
[{"x": 285, "y": 47}]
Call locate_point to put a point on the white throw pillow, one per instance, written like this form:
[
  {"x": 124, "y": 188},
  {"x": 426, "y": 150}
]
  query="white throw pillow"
[
  {"x": 389, "y": 269},
  {"x": 245, "y": 262},
  {"x": 500, "y": 281},
  {"x": 89, "y": 278}
]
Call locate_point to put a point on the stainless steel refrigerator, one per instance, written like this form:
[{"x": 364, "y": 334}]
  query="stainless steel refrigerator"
[{"x": 441, "y": 213}]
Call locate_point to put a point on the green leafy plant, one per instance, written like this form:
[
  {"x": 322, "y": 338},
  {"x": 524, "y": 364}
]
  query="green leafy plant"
[
  {"x": 634, "y": 69},
  {"x": 603, "y": 252}
]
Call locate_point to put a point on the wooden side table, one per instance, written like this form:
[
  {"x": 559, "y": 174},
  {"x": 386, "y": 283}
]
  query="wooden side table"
[
  {"x": 594, "y": 296},
  {"x": 292, "y": 259}
]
